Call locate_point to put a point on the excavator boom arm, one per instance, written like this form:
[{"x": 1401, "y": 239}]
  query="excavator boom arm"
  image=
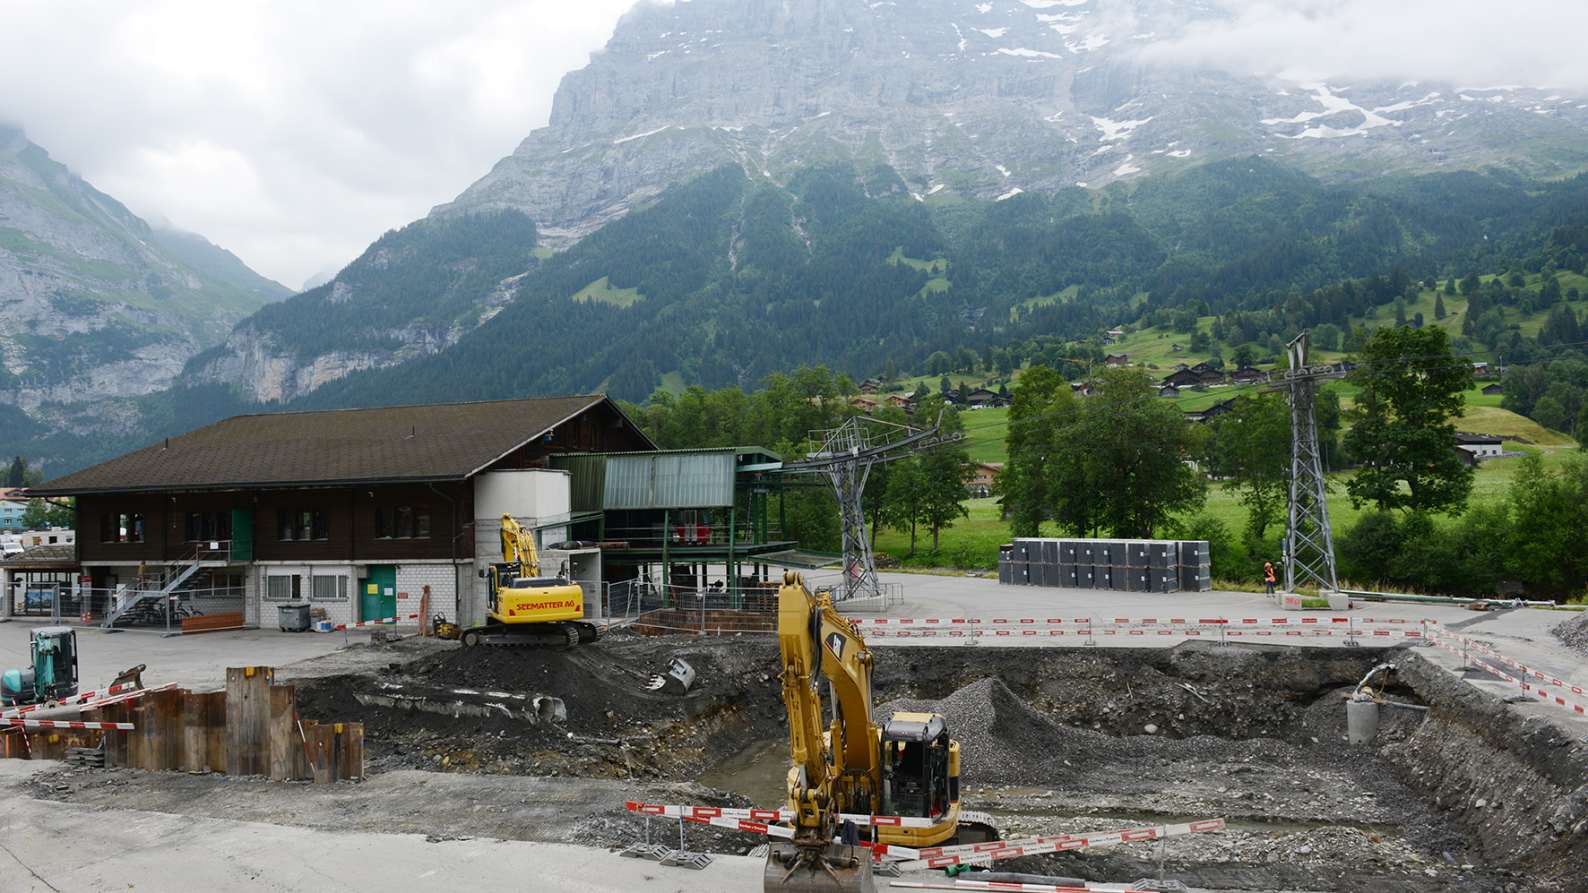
[
  {"x": 518, "y": 547},
  {"x": 816, "y": 643}
]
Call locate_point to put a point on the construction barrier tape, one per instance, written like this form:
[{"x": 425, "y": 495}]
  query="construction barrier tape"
[
  {"x": 1526, "y": 684},
  {"x": 1066, "y": 843},
  {"x": 73, "y": 700},
  {"x": 1014, "y": 886},
  {"x": 745, "y": 825},
  {"x": 384, "y": 621},
  {"x": 693, "y": 813},
  {"x": 64, "y": 724},
  {"x": 1304, "y": 620}
]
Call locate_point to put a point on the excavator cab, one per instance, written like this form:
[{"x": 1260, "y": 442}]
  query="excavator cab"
[{"x": 920, "y": 766}]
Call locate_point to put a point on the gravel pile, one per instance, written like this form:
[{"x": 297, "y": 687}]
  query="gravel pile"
[
  {"x": 1574, "y": 632},
  {"x": 1004, "y": 741}
]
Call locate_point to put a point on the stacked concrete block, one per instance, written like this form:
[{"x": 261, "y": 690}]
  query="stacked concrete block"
[{"x": 1121, "y": 565}]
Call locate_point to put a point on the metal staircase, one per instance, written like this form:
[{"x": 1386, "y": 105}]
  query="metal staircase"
[{"x": 130, "y": 600}]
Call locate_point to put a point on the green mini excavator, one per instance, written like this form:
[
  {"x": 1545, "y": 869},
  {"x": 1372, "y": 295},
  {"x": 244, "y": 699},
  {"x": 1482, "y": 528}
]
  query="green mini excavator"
[{"x": 53, "y": 675}]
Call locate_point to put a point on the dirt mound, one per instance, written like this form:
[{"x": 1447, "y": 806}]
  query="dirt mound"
[
  {"x": 613, "y": 728},
  {"x": 1574, "y": 632},
  {"x": 1002, "y": 740}
]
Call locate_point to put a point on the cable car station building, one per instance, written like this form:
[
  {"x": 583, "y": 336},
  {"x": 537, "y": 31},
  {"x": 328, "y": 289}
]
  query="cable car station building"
[{"x": 360, "y": 513}]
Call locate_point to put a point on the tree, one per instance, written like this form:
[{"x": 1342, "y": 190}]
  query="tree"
[
  {"x": 1549, "y": 412},
  {"x": 1403, "y": 429},
  {"x": 1250, "y": 446},
  {"x": 905, "y": 491},
  {"x": 1400, "y": 312},
  {"x": 939, "y": 363},
  {"x": 1470, "y": 283},
  {"x": 944, "y": 385},
  {"x": 1040, "y": 407},
  {"x": 944, "y": 472},
  {"x": 1243, "y": 356},
  {"x": 1450, "y": 285},
  {"x": 1200, "y": 343},
  {"x": 40, "y": 515},
  {"x": 1549, "y": 536},
  {"x": 1130, "y": 451},
  {"x": 17, "y": 476},
  {"x": 1439, "y": 300}
]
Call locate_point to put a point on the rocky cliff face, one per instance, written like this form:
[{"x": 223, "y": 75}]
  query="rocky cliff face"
[
  {"x": 94, "y": 303},
  {"x": 986, "y": 98}
]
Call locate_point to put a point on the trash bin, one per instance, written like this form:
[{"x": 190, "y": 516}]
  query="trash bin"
[{"x": 294, "y": 618}]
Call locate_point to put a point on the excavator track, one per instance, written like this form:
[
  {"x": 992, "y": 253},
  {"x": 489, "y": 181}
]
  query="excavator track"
[{"x": 536, "y": 635}]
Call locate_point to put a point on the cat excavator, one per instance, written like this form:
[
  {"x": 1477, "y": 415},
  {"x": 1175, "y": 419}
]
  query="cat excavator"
[
  {"x": 526, "y": 608},
  {"x": 905, "y": 765}
]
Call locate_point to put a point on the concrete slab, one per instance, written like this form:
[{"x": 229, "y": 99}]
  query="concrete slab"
[{"x": 66, "y": 848}]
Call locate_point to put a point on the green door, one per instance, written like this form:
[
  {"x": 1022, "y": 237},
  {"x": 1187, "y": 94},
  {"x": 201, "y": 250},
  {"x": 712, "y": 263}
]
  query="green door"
[
  {"x": 242, "y": 534},
  {"x": 378, "y": 592}
]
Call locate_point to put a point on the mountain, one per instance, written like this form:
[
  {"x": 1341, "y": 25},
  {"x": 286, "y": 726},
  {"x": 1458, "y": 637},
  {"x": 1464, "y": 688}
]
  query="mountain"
[
  {"x": 95, "y": 304},
  {"x": 943, "y": 101},
  {"x": 980, "y": 98},
  {"x": 734, "y": 187}
]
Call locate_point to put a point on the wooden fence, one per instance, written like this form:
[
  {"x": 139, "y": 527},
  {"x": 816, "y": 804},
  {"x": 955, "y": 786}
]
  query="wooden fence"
[{"x": 250, "y": 728}]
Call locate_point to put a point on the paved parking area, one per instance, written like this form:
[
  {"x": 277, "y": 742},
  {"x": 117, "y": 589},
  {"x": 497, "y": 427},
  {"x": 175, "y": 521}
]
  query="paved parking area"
[{"x": 193, "y": 661}]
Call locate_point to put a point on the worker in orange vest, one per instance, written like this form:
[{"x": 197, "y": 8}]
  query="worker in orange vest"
[{"x": 1268, "y": 576}]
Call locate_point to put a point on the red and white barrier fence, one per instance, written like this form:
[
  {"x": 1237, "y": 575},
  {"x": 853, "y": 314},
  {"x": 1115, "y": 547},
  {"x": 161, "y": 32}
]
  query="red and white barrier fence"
[
  {"x": 1065, "y": 843},
  {"x": 702, "y": 813},
  {"x": 866, "y": 623},
  {"x": 1529, "y": 682},
  {"x": 1014, "y": 886},
  {"x": 76, "y": 699},
  {"x": 66, "y": 724},
  {"x": 1190, "y": 632},
  {"x": 384, "y": 621}
]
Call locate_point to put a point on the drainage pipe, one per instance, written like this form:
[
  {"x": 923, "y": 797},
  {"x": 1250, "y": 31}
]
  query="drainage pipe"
[{"x": 1455, "y": 600}]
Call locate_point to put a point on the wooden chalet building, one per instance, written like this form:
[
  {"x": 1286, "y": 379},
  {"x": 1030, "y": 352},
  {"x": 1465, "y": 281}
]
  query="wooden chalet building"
[{"x": 357, "y": 512}]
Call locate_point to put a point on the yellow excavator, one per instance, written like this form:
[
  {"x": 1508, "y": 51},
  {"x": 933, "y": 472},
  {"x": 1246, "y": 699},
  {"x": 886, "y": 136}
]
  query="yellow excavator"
[
  {"x": 851, "y": 765},
  {"x": 526, "y": 608}
]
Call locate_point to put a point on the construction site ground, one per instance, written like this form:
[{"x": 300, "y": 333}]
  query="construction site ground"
[{"x": 1475, "y": 794}]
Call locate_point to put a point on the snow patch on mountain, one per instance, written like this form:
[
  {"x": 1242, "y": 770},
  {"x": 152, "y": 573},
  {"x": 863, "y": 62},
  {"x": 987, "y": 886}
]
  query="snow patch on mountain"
[{"x": 1117, "y": 130}]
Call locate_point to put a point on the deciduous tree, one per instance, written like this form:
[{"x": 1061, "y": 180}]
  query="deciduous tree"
[{"x": 1403, "y": 429}]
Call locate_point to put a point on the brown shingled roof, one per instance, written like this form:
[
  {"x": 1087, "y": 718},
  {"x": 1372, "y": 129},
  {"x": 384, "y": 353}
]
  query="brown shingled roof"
[{"x": 448, "y": 441}]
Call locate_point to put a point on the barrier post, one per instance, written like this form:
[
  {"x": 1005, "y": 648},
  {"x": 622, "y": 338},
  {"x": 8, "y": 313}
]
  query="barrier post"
[
  {"x": 1223, "y": 624},
  {"x": 1350, "y": 631}
]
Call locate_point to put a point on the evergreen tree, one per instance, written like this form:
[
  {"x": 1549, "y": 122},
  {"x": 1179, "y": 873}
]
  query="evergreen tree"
[
  {"x": 1403, "y": 429},
  {"x": 17, "y": 475},
  {"x": 1470, "y": 283},
  {"x": 944, "y": 386},
  {"x": 1450, "y": 285},
  {"x": 1400, "y": 312},
  {"x": 1439, "y": 305}
]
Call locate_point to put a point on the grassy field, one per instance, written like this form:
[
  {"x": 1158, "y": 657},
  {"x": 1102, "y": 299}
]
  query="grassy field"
[
  {"x": 604, "y": 292},
  {"x": 986, "y": 431}
]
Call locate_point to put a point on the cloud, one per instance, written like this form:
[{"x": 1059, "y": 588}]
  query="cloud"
[
  {"x": 1467, "y": 42},
  {"x": 292, "y": 132}
]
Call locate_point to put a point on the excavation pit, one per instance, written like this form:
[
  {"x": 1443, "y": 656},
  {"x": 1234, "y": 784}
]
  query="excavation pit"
[{"x": 1465, "y": 795}]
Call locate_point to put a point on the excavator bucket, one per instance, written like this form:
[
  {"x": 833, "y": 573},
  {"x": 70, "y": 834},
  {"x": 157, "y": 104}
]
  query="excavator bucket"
[{"x": 840, "y": 869}]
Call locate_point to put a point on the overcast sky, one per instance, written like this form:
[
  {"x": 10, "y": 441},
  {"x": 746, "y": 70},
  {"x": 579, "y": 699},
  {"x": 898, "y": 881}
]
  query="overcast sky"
[{"x": 294, "y": 132}]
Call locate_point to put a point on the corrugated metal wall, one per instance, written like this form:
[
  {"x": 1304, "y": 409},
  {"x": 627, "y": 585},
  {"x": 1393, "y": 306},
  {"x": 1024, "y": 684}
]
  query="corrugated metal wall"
[
  {"x": 669, "y": 480},
  {"x": 588, "y": 487}
]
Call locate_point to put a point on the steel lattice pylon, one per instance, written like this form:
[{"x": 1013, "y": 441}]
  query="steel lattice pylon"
[
  {"x": 1309, "y": 542},
  {"x": 845, "y": 455}
]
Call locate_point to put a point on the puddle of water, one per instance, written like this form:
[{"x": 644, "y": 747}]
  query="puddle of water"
[{"x": 758, "y": 771}]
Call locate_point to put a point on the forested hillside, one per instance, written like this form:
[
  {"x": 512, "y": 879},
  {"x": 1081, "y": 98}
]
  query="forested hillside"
[{"x": 728, "y": 278}]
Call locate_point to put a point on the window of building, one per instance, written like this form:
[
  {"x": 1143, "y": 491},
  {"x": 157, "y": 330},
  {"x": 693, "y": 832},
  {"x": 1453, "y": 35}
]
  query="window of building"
[
  {"x": 119, "y": 527},
  {"x": 403, "y": 522},
  {"x": 204, "y": 527},
  {"x": 330, "y": 589},
  {"x": 283, "y": 587},
  {"x": 302, "y": 526}
]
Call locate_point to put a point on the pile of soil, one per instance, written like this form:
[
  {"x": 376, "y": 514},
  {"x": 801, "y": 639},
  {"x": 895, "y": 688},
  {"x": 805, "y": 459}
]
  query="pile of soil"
[{"x": 615, "y": 728}]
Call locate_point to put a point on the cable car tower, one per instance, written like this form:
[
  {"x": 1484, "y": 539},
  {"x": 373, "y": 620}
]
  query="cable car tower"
[
  {"x": 846, "y": 455},
  {"x": 1309, "y": 542}
]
